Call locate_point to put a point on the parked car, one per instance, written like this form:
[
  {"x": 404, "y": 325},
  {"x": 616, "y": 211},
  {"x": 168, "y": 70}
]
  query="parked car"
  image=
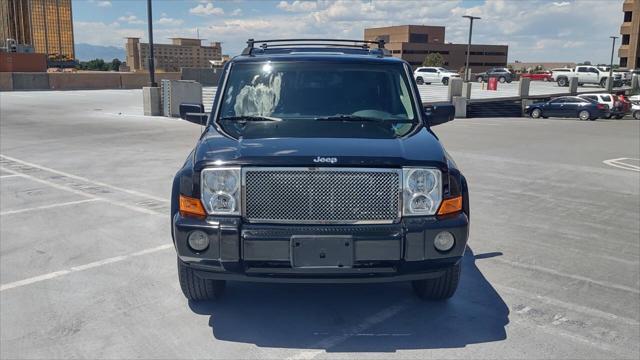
[
  {"x": 502, "y": 74},
  {"x": 622, "y": 103},
  {"x": 567, "y": 106},
  {"x": 635, "y": 110},
  {"x": 318, "y": 164},
  {"x": 613, "y": 104},
  {"x": 428, "y": 75},
  {"x": 540, "y": 76},
  {"x": 559, "y": 71},
  {"x": 587, "y": 74},
  {"x": 624, "y": 75}
]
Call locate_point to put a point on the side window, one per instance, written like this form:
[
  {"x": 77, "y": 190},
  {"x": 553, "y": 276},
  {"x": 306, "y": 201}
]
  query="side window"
[
  {"x": 557, "y": 101},
  {"x": 594, "y": 70},
  {"x": 431, "y": 70},
  {"x": 582, "y": 69},
  {"x": 422, "y": 70}
]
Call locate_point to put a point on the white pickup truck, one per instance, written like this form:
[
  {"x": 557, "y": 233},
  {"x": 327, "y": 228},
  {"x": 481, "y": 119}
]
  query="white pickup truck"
[{"x": 587, "y": 74}]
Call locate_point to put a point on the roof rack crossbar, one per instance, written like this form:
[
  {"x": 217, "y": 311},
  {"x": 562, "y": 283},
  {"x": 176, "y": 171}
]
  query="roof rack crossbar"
[{"x": 317, "y": 42}]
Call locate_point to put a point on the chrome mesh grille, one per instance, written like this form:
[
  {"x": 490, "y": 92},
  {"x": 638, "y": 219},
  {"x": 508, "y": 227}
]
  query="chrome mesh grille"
[{"x": 322, "y": 195}]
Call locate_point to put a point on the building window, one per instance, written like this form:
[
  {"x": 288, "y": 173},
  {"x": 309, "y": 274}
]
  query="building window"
[
  {"x": 628, "y": 15},
  {"x": 623, "y": 62},
  {"x": 418, "y": 38},
  {"x": 625, "y": 39}
]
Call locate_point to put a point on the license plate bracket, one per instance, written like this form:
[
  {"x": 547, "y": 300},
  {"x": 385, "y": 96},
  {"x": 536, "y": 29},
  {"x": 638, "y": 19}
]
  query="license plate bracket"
[{"x": 322, "y": 251}]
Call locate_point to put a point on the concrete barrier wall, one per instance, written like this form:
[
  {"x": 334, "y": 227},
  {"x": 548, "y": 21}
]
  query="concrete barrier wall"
[
  {"x": 139, "y": 80},
  {"x": 30, "y": 81},
  {"x": 205, "y": 76},
  {"x": 6, "y": 81},
  {"x": 78, "y": 81},
  {"x": 84, "y": 81}
]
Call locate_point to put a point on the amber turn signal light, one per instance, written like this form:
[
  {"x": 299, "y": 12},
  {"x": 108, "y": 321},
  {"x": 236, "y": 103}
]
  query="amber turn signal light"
[
  {"x": 191, "y": 206},
  {"x": 450, "y": 206}
]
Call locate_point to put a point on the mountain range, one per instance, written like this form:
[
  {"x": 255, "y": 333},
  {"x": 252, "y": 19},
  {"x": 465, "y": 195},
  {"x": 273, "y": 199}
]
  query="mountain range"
[{"x": 85, "y": 52}]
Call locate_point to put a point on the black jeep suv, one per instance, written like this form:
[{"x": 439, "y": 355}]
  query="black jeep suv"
[{"x": 318, "y": 164}]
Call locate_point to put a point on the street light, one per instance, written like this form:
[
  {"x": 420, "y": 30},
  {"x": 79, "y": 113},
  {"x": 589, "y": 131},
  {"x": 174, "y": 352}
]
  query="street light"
[
  {"x": 466, "y": 64},
  {"x": 152, "y": 67},
  {"x": 613, "y": 46}
]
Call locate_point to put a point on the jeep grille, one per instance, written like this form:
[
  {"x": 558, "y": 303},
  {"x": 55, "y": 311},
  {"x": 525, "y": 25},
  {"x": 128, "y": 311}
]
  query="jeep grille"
[{"x": 321, "y": 195}]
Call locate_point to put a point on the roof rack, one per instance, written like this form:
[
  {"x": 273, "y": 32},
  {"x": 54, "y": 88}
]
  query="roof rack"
[{"x": 292, "y": 43}]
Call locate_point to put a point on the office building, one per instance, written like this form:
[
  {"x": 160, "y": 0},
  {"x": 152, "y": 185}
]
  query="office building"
[
  {"x": 182, "y": 52},
  {"x": 414, "y": 42},
  {"x": 629, "y": 51},
  {"x": 46, "y": 25}
]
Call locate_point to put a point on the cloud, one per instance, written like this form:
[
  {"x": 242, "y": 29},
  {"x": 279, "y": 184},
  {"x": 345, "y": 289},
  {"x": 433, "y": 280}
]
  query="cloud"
[
  {"x": 103, "y": 3},
  {"x": 204, "y": 9},
  {"x": 131, "y": 19},
  {"x": 106, "y": 34},
  {"x": 297, "y": 6},
  {"x": 164, "y": 20},
  {"x": 535, "y": 30}
]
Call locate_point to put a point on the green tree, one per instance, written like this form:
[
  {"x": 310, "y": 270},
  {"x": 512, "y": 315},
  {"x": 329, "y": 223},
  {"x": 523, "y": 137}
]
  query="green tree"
[
  {"x": 433, "y": 59},
  {"x": 115, "y": 64}
]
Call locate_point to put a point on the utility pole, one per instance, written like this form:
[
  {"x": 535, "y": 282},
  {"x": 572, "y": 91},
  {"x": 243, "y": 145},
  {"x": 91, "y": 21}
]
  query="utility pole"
[
  {"x": 466, "y": 63},
  {"x": 152, "y": 67},
  {"x": 613, "y": 46}
]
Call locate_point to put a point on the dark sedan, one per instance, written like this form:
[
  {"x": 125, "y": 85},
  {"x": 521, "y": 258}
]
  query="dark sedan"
[{"x": 568, "y": 107}]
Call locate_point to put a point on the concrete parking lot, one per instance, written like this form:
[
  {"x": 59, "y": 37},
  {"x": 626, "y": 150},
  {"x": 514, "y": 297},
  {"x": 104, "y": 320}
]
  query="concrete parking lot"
[{"x": 87, "y": 267}]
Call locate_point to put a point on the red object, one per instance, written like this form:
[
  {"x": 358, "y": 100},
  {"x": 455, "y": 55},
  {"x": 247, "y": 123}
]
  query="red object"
[
  {"x": 492, "y": 84},
  {"x": 543, "y": 76}
]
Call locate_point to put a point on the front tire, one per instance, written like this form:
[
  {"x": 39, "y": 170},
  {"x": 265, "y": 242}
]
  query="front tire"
[
  {"x": 197, "y": 289},
  {"x": 636, "y": 115},
  {"x": 563, "y": 82},
  {"x": 445, "y": 81},
  {"x": 536, "y": 113},
  {"x": 603, "y": 83},
  {"x": 419, "y": 80},
  {"x": 502, "y": 79},
  {"x": 584, "y": 115},
  {"x": 440, "y": 288}
]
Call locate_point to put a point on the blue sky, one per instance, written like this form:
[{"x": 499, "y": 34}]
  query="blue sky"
[{"x": 535, "y": 30}]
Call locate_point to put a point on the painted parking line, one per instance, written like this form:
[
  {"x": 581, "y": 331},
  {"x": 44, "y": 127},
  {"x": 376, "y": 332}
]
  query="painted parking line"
[
  {"x": 46, "y": 207},
  {"x": 76, "y": 177},
  {"x": 10, "y": 176},
  {"x": 624, "y": 163},
  {"x": 92, "y": 265},
  {"x": 366, "y": 324},
  {"x": 89, "y": 195}
]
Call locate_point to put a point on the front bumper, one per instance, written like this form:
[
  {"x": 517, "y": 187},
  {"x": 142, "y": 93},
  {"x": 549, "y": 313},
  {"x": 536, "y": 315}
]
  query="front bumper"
[{"x": 263, "y": 253}]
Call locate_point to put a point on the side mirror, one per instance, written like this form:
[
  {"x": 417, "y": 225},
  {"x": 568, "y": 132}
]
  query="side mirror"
[
  {"x": 439, "y": 114},
  {"x": 193, "y": 113}
]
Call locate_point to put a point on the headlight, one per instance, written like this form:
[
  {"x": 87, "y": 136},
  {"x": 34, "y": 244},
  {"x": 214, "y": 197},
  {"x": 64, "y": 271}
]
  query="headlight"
[
  {"x": 422, "y": 191},
  {"x": 220, "y": 189}
]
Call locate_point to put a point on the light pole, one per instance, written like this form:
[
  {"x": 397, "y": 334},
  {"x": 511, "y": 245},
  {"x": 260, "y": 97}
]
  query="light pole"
[
  {"x": 466, "y": 63},
  {"x": 152, "y": 67},
  {"x": 613, "y": 46}
]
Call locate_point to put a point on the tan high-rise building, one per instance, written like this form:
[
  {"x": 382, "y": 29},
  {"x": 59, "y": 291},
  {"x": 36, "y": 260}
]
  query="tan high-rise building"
[
  {"x": 414, "y": 42},
  {"x": 629, "y": 52},
  {"x": 182, "y": 52},
  {"x": 47, "y": 25}
]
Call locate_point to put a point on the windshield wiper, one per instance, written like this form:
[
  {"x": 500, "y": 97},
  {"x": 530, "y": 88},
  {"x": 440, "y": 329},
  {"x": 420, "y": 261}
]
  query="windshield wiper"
[
  {"x": 356, "y": 118},
  {"x": 250, "y": 118}
]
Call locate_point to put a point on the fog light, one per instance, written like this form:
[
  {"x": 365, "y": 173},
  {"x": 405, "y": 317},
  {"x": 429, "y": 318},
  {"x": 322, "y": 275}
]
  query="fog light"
[
  {"x": 198, "y": 240},
  {"x": 444, "y": 241}
]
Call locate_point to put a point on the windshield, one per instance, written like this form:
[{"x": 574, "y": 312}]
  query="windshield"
[{"x": 317, "y": 94}]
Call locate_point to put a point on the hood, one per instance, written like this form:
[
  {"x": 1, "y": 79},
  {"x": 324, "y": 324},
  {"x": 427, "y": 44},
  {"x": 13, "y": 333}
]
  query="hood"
[{"x": 420, "y": 149}]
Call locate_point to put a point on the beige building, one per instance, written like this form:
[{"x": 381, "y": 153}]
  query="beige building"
[
  {"x": 414, "y": 42},
  {"x": 629, "y": 52},
  {"x": 182, "y": 52},
  {"x": 47, "y": 25}
]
